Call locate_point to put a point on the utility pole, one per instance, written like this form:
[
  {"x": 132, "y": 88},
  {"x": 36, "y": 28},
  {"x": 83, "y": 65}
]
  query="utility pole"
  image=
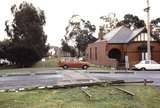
[{"x": 148, "y": 31}]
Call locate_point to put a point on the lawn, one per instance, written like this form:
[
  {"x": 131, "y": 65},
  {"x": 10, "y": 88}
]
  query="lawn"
[
  {"x": 48, "y": 63},
  {"x": 39, "y": 66},
  {"x": 102, "y": 97},
  {"x": 51, "y": 63}
]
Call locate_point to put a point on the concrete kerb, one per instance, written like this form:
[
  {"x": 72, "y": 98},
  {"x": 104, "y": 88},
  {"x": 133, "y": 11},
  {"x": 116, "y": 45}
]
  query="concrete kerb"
[
  {"x": 10, "y": 75},
  {"x": 49, "y": 73},
  {"x": 67, "y": 85},
  {"x": 26, "y": 74},
  {"x": 99, "y": 71},
  {"x": 111, "y": 71},
  {"x": 71, "y": 85}
]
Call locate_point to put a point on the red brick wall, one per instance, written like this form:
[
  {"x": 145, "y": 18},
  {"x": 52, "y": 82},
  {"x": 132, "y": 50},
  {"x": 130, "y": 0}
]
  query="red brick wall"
[
  {"x": 134, "y": 55},
  {"x": 126, "y": 49},
  {"x": 102, "y": 58}
]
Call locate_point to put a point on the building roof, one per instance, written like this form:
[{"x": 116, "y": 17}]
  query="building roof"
[
  {"x": 121, "y": 35},
  {"x": 135, "y": 33}
]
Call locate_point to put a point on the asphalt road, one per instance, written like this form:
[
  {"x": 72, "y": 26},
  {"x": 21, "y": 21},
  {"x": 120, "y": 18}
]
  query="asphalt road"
[
  {"x": 24, "y": 81},
  {"x": 50, "y": 78},
  {"x": 137, "y": 76}
]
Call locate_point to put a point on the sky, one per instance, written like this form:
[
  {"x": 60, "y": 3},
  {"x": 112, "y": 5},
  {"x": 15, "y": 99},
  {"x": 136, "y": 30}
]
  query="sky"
[{"x": 58, "y": 13}]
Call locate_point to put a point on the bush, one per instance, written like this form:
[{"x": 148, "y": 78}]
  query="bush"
[{"x": 22, "y": 56}]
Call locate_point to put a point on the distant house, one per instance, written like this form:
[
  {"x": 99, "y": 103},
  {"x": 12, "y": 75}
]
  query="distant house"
[
  {"x": 120, "y": 45},
  {"x": 58, "y": 52}
]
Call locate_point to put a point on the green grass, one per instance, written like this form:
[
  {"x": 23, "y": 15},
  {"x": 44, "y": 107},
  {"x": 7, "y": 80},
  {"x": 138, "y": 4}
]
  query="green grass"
[
  {"x": 52, "y": 63},
  {"x": 97, "y": 67},
  {"x": 102, "y": 97},
  {"x": 49, "y": 63},
  {"x": 39, "y": 66}
]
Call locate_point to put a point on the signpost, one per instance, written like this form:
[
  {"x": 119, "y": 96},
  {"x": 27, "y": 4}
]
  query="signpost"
[{"x": 126, "y": 63}]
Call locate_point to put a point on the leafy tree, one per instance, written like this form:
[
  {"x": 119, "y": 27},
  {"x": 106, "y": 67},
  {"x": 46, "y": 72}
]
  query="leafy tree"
[
  {"x": 4, "y": 45},
  {"x": 131, "y": 21},
  {"x": 79, "y": 33},
  {"x": 69, "y": 49},
  {"x": 109, "y": 22},
  {"x": 155, "y": 28},
  {"x": 26, "y": 34},
  {"x": 83, "y": 41},
  {"x": 156, "y": 22},
  {"x": 26, "y": 57}
]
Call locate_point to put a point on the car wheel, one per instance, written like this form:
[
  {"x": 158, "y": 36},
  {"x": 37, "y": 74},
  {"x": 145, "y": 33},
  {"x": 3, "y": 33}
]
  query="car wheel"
[
  {"x": 85, "y": 67},
  {"x": 143, "y": 69},
  {"x": 65, "y": 67}
]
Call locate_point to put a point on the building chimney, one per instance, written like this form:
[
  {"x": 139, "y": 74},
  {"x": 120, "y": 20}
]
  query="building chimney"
[{"x": 101, "y": 33}]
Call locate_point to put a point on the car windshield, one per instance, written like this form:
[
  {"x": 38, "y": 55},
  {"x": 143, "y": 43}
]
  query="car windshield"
[
  {"x": 153, "y": 62},
  {"x": 69, "y": 59},
  {"x": 147, "y": 62},
  {"x": 141, "y": 62}
]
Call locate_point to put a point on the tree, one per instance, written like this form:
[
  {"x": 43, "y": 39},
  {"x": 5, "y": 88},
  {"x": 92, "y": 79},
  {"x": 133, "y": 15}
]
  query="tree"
[
  {"x": 79, "y": 33},
  {"x": 26, "y": 34},
  {"x": 4, "y": 45},
  {"x": 155, "y": 28},
  {"x": 156, "y": 22},
  {"x": 109, "y": 22},
  {"x": 132, "y": 22},
  {"x": 83, "y": 41},
  {"x": 67, "y": 48}
]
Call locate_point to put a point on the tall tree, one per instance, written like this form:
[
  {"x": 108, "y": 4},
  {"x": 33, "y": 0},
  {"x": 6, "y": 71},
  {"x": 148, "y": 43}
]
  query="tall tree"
[
  {"x": 67, "y": 48},
  {"x": 4, "y": 45},
  {"x": 155, "y": 27},
  {"x": 109, "y": 22},
  {"x": 131, "y": 21},
  {"x": 26, "y": 34},
  {"x": 79, "y": 33}
]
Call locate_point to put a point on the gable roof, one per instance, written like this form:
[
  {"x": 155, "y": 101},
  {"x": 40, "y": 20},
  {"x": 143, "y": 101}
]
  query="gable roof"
[
  {"x": 113, "y": 33},
  {"x": 135, "y": 33},
  {"x": 122, "y": 35}
]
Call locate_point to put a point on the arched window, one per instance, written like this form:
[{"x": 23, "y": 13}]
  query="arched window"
[{"x": 115, "y": 54}]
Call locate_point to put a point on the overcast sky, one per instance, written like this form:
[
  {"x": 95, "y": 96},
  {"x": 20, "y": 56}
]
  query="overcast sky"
[{"x": 58, "y": 12}]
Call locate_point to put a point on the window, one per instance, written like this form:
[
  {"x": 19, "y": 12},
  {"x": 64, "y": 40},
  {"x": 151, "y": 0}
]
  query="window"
[
  {"x": 146, "y": 62},
  {"x": 95, "y": 53},
  {"x": 153, "y": 62},
  {"x": 90, "y": 53}
]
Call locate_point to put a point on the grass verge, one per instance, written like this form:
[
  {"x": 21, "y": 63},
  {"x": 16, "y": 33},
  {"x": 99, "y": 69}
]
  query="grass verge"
[
  {"x": 52, "y": 63},
  {"x": 48, "y": 63},
  {"x": 102, "y": 97}
]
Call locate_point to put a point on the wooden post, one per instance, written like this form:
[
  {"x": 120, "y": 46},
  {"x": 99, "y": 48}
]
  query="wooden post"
[
  {"x": 145, "y": 82},
  {"x": 87, "y": 93},
  {"x": 125, "y": 91}
]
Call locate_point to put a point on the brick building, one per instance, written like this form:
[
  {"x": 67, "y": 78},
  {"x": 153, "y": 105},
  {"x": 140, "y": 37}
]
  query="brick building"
[{"x": 122, "y": 45}]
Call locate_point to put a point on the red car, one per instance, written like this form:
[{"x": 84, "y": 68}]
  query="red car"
[{"x": 73, "y": 63}]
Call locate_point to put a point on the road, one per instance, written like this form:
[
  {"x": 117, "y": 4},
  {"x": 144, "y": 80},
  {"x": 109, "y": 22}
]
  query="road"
[
  {"x": 137, "y": 76},
  {"x": 70, "y": 76},
  {"x": 14, "y": 82}
]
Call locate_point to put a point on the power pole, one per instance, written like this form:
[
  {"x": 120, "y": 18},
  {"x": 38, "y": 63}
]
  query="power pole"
[{"x": 148, "y": 31}]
